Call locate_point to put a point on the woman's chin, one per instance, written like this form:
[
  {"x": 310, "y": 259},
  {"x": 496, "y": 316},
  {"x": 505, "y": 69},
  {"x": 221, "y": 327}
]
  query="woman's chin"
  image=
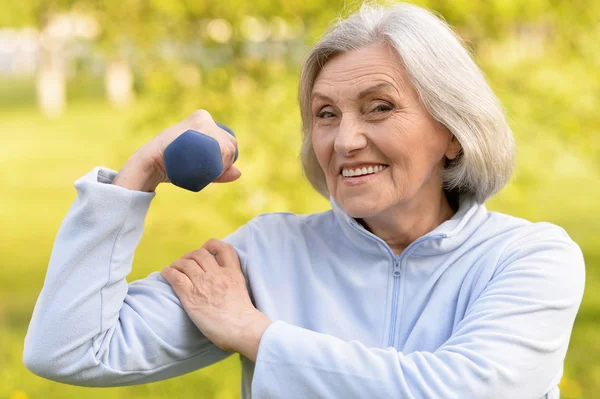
[{"x": 359, "y": 207}]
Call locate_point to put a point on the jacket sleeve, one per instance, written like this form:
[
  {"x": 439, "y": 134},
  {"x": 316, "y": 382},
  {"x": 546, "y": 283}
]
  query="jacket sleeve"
[
  {"x": 510, "y": 344},
  {"x": 89, "y": 326}
]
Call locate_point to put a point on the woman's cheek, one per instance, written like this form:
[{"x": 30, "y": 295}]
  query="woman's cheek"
[{"x": 321, "y": 149}]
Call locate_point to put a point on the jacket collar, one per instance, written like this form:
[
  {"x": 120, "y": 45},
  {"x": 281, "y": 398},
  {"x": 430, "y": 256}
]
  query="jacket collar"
[{"x": 444, "y": 238}]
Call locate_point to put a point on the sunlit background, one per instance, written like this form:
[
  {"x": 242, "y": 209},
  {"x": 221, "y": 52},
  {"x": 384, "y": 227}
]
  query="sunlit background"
[{"x": 86, "y": 82}]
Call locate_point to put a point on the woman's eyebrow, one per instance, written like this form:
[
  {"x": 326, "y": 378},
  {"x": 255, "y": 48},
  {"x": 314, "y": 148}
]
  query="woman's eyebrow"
[
  {"x": 362, "y": 94},
  {"x": 372, "y": 89},
  {"x": 316, "y": 94}
]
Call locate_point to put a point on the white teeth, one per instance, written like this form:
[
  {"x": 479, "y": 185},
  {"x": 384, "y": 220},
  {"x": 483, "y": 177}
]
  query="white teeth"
[{"x": 363, "y": 171}]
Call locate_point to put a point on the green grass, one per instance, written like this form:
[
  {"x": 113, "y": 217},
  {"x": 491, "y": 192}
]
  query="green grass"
[{"x": 41, "y": 158}]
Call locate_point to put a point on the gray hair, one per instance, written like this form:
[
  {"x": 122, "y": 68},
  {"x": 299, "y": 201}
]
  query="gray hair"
[{"x": 450, "y": 85}]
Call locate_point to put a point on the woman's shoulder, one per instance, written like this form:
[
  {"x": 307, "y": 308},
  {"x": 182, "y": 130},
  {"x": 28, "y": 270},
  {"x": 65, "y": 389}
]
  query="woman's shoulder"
[
  {"x": 543, "y": 241},
  {"x": 519, "y": 229},
  {"x": 475, "y": 227},
  {"x": 289, "y": 222}
]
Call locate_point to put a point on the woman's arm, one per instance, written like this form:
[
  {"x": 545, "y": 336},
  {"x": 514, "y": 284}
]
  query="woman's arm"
[
  {"x": 89, "y": 327},
  {"x": 510, "y": 344}
]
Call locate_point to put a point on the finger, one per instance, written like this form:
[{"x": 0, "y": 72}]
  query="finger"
[
  {"x": 178, "y": 280},
  {"x": 189, "y": 267},
  {"x": 203, "y": 258},
  {"x": 224, "y": 252},
  {"x": 200, "y": 119},
  {"x": 230, "y": 137},
  {"x": 231, "y": 174},
  {"x": 228, "y": 151}
]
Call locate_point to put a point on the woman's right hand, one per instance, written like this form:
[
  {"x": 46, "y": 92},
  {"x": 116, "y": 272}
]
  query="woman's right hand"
[{"x": 145, "y": 169}]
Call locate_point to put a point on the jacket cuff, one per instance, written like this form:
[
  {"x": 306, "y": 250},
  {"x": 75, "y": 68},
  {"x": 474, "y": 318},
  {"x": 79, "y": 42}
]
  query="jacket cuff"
[
  {"x": 97, "y": 184},
  {"x": 277, "y": 341}
]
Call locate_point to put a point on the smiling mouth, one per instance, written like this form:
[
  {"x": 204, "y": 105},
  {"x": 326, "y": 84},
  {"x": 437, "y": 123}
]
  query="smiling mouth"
[{"x": 364, "y": 171}]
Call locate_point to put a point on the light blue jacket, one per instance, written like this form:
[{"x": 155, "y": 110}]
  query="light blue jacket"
[{"x": 481, "y": 307}]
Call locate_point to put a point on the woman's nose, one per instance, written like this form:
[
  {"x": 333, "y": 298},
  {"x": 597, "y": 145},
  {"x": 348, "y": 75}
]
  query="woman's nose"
[{"x": 350, "y": 137}]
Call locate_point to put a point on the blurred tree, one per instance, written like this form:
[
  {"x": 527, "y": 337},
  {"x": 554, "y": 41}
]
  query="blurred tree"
[{"x": 44, "y": 15}]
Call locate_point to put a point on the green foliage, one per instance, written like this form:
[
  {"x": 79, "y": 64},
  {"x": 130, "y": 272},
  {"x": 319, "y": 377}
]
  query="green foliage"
[
  {"x": 17, "y": 13},
  {"x": 540, "y": 57}
]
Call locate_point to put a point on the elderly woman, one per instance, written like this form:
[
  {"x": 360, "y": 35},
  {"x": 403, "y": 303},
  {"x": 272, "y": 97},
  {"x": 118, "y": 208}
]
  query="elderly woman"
[{"x": 407, "y": 288}]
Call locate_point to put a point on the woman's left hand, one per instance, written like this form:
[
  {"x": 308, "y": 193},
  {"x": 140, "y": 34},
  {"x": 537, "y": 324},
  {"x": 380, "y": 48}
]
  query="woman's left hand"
[{"x": 212, "y": 290}]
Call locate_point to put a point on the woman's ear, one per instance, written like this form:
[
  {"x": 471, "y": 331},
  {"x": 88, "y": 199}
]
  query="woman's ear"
[{"x": 453, "y": 148}]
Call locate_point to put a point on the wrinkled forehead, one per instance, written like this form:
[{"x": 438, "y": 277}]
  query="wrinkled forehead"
[{"x": 354, "y": 71}]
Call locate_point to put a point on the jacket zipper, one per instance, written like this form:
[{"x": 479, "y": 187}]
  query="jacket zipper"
[
  {"x": 397, "y": 270},
  {"x": 397, "y": 273}
]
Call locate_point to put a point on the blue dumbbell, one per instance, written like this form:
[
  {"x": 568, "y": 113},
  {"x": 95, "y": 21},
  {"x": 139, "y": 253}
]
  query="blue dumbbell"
[{"x": 193, "y": 160}]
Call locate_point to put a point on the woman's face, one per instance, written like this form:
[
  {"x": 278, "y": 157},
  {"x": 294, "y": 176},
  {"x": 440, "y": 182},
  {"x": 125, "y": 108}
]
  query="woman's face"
[{"x": 379, "y": 148}]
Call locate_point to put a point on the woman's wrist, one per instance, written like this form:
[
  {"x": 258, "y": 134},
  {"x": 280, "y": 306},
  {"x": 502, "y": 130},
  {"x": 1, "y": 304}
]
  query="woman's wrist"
[
  {"x": 137, "y": 174},
  {"x": 251, "y": 334}
]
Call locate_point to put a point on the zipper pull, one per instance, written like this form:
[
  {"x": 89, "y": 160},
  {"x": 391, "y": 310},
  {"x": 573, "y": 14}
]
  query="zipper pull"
[{"x": 397, "y": 272}]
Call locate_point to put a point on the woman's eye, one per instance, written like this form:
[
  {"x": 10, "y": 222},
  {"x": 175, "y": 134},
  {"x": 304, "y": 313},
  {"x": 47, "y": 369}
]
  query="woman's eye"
[
  {"x": 325, "y": 113},
  {"x": 383, "y": 108}
]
